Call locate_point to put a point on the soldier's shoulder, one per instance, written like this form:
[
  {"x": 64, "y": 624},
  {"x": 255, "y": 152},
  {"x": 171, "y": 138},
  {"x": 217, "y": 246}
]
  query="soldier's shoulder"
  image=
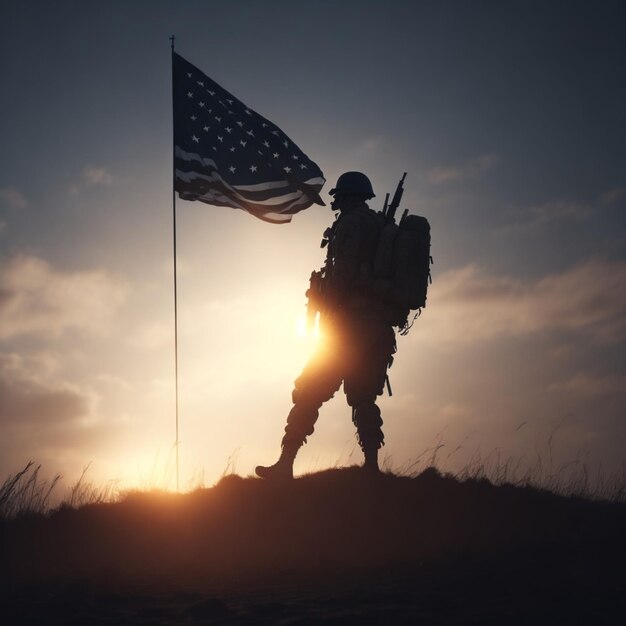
[
  {"x": 360, "y": 221},
  {"x": 373, "y": 219},
  {"x": 363, "y": 214}
]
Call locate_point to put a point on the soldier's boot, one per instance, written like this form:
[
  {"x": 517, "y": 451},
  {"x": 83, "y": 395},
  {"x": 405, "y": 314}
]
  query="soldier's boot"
[
  {"x": 283, "y": 468},
  {"x": 300, "y": 424}
]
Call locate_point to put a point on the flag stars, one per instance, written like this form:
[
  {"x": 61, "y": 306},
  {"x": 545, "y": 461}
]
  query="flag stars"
[{"x": 242, "y": 145}]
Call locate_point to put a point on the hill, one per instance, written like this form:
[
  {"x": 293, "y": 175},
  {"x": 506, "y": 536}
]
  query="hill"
[{"x": 333, "y": 547}]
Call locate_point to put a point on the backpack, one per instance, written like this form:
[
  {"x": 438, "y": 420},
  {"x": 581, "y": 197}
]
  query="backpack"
[{"x": 401, "y": 269}]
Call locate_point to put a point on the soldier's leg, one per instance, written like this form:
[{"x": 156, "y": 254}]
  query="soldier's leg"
[
  {"x": 368, "y": 421},
  {"x": 365, "y": 382},
  {"x": 311, "y": 389},
  {"x": 318, "y": 383}
]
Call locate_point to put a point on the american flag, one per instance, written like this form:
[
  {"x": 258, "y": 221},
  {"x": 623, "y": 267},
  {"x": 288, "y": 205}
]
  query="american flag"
[{"x": 225, "y": 154}]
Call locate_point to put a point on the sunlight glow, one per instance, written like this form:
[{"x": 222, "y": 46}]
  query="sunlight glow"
[
  {"x": 304, "y": 329},
  {"x": 309, "y": 334}
]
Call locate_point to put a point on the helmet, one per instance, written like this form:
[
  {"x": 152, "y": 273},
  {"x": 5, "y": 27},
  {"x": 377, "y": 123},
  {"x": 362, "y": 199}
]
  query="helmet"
[{"x": 353, "y": 182}]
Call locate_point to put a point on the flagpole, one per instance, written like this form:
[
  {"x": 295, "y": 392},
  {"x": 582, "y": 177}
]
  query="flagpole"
[{"x": 175, "y": 274}]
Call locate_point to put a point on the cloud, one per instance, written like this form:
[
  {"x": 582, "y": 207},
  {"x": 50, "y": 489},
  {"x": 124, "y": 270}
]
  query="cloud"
[
  {"x": 371, "y": 146},
  {"x": 556, "y": 210},
  {"x": 12, "y": 198},
  {"x": 44, "y": 418},
  {"x": 153, "y": 336},
  {"x": 93, "y": 175},
  {"x": 469, "y": 304},
  {"x": 540, "y": 214},
  {"x": 36, "y": 299},
  {"x": 583, "y": 384},
  {"x": 456, "y": 173},
  {"x": 28, "y": 399},
  {"x": 613, "y": 195}
]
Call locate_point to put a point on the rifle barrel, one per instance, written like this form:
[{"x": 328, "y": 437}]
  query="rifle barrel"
[{"x": 397, "y": 198}]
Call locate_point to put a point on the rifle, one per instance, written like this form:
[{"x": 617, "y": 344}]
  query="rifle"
[
  {"x": 315, "y": 299},
  {"x": 315, "y": 294},
  {"x": 389, "y": 211}
]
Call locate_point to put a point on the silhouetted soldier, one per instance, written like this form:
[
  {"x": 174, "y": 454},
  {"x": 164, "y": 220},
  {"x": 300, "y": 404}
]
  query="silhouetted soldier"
[{"x": 358, "y": 337}]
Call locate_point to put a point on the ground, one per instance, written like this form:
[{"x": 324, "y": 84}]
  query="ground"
[{"x": 337, "y": 547}]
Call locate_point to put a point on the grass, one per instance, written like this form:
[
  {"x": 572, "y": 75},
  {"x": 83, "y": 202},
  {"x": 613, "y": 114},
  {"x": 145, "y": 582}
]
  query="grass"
[
  {"x": 574, "y": 478},
  {"x": 26, "y": 493}
]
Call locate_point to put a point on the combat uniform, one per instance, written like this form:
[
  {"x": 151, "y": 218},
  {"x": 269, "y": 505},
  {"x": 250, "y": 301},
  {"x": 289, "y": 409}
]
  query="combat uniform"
[
  {"x": 358, "y": 337},
  {"x": 359, "y": 340}
]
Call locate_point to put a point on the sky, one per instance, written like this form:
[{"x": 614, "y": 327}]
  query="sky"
[{"x": 508, "y": 118}]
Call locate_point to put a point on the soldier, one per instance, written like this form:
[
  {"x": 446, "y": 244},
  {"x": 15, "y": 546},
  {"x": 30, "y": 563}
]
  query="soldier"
[{"x": 359, "y": 339}]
